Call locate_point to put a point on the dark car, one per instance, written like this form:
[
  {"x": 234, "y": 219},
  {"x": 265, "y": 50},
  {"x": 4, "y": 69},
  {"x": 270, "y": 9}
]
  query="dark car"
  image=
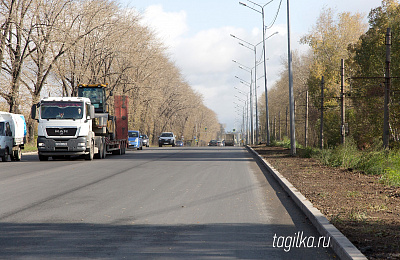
[
  {"x": 179, "y": 143},
  {"x": 213, "y": 143},
  {"x": 145, "y": 140}
]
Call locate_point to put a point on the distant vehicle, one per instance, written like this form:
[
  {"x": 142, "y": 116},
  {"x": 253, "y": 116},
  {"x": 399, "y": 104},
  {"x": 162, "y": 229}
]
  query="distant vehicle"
[
  {"x": 12, "y": 136},
  {"x": 220, "y": 143},
  {"x": 134, "y": 140},
  {"x": 166, "y": 138},
  {"x": 230, "y": 139},
  {"x": 213, "y": 143},
  {"x": 145, "y": 140},
  {"x": 179, "y": 143}
]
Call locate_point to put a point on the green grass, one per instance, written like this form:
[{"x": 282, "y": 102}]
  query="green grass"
[
  {"x": 30, "y": 147},
  {"x": 374, "y": 160}
]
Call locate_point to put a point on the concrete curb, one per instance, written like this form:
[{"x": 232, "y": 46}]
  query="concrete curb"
[{"x": 340, "y": 244}]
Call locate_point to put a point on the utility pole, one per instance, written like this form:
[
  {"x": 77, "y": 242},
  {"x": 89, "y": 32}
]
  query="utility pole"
[
  {"x": 306, "y": 122},
  {"x": 342, "y": 103},
  {"x": 286, "y": 124},
  {"x": 321, "y": 144},
  {"x": 291, "y": 94},
  {"x": 385, "y": 136},
  {"x": 279, "y": 126}
]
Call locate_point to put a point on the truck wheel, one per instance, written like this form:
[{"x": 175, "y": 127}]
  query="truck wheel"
[
  {"x": 90, "y": 155},
  {"x": 4, "y": 158},
  {"x": 18, "y": 155},
  {"x": 99, "y": 155},
  {"x": 43, "y": 158},
  {"x": 160, "y": 145},
  {"x": 173, "y": 145},
  {"x": 104, "y": 149}
]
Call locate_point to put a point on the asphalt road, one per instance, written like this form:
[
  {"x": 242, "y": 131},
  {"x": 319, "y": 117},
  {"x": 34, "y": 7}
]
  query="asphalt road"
[{"x": 158, "y": 203}]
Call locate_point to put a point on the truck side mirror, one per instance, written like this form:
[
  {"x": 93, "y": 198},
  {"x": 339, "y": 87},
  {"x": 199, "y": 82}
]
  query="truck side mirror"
[
  {"x": 34, "y": 114},
  {"x": 91, "y": 111}
]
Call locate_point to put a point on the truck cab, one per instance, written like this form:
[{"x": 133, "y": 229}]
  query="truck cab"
[{"x": 65, "y": 127}]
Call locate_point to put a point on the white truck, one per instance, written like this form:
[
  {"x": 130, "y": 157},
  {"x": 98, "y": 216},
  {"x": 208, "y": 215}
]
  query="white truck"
[
  {"x": 81, "y": 126},
  {"x": 12, "y": 136},
  {"x": 65, "y": 127}
]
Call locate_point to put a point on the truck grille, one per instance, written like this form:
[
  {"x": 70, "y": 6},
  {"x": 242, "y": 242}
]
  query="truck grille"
[{"x": 61, "y": 131}]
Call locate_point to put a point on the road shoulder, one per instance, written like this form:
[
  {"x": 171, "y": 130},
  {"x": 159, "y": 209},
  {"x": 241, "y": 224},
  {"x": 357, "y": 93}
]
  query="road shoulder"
[{"x": 340, "y": 244}]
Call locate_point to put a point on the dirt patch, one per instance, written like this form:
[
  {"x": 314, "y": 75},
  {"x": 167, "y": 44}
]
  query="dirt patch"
[{"x": 363, "y": 209}]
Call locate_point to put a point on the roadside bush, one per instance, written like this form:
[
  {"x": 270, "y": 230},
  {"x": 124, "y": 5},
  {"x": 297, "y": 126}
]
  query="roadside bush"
[
  {"x": 283, "y": 143},
  {"x": 347, "y": 156},
  {"x": 308, "y": 152},
  {"x": 375, "y": 160},
  {"x": 391, "y": 175}
]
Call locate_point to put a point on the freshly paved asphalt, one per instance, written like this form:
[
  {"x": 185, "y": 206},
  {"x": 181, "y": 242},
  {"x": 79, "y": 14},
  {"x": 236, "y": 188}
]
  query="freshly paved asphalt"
[{"x": 158, "y": 203}]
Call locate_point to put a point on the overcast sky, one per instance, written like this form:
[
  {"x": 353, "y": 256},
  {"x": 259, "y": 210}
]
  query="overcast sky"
[{"x": 197, "y": 34}]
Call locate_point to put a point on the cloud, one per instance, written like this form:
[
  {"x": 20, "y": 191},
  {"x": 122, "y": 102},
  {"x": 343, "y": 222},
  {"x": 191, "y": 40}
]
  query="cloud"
[
  {"x": 205, "y": 58},
  {"x": 169, "y": 26}
]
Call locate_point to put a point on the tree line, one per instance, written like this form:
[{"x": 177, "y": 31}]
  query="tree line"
[
  {"x": 49, "y": 47},
  {"x": 362, "y": 46}
]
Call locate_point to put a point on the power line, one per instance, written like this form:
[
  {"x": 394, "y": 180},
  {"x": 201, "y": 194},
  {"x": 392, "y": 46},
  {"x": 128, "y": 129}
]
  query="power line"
[{"x": 276, "y": 16}]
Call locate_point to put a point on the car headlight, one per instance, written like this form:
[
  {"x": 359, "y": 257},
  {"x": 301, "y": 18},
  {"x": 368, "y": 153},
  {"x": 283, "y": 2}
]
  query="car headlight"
[
  {"x": 40, "y": 144},
  {"x": 81, "y": 144}
]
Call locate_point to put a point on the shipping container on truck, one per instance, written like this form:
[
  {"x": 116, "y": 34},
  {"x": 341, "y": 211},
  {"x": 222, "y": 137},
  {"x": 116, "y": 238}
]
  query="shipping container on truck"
[
  {"x": 230, "y": 139},
  {"x": 117, "y": 143}
]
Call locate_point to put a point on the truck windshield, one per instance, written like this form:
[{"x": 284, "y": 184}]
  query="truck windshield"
[
  {"x": 61, "y": 110},
  {"x": 2, "y": 128},
  {"x": 96, "y": 96}
]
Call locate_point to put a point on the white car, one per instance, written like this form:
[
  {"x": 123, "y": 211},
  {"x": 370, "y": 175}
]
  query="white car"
[{"x": 166, "y": 138}]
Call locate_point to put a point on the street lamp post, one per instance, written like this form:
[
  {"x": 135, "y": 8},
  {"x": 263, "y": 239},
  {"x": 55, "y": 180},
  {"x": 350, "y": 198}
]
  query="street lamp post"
[
  {"x": 251, "y": 110},
  {"x": 246, "y": 104},
  {"x": 238, "y": 109},
  {"x": 265, "y": 64},
  {"x": 250, "y": 70},
  {"x": 254, "y": 49},
  {"x": 255, "y": 76}
]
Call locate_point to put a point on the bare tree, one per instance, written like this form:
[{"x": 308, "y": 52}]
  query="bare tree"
[{"x": 17, "y": 38}]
